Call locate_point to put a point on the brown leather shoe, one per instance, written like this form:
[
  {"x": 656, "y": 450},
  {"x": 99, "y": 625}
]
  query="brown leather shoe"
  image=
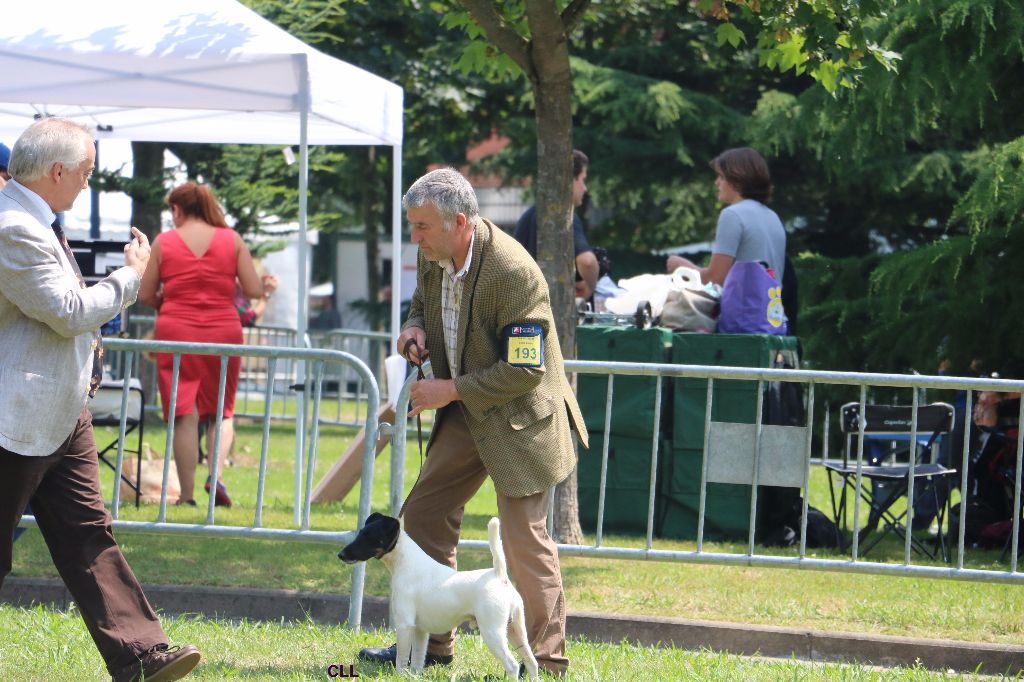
[{"x": 160, "y": 664}]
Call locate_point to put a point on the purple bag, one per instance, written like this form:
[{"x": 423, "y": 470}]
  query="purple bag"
[{"x": 751, "y": 301}]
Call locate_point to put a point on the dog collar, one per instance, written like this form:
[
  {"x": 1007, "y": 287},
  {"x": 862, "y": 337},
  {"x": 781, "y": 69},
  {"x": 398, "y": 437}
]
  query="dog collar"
[{"x": 394, "y": 542}]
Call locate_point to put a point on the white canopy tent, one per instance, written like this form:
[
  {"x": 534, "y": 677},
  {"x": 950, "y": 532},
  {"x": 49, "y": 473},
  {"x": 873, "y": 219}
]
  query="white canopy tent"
[{"x": 194, "y": 71}]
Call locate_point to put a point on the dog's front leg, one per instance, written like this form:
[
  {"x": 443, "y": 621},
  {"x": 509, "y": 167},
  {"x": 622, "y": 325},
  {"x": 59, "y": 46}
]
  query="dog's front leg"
[
  {"x": 419, "y": 650},
  {"x": 406, "y": 641}
]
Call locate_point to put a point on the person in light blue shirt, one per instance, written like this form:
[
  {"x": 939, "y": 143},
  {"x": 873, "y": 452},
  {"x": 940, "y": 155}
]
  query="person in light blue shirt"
[{"x": 747, "y": 229}]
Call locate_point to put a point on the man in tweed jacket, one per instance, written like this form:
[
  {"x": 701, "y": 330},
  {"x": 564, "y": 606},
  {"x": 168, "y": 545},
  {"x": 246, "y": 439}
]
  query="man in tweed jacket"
[{"x": 504, "y": 406}]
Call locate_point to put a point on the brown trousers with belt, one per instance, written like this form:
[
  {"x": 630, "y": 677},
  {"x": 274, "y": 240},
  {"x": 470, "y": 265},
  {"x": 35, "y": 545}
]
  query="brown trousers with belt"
[
  {"x": 64, "y": 490},
  {"x": 452, "y": 473}
]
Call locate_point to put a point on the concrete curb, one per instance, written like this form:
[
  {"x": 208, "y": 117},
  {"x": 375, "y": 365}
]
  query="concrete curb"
[{"x": 811, "y": 645}]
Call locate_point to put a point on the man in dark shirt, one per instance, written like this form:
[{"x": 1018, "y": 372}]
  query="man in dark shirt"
[{"x": 586, "y": 261}]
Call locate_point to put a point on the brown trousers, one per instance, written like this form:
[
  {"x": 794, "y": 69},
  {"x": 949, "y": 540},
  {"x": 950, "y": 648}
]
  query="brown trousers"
[
  {"x": 64, "y": 490},
  {"x": 452, "y": 473}
]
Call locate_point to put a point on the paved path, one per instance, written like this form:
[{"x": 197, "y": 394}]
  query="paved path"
[{"x": 811, "y": 645}]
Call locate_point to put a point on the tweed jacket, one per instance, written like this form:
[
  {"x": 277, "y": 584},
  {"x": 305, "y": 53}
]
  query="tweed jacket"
[
  {"x": 520, "y": 417},
  {"x": 46, "y": 325}
]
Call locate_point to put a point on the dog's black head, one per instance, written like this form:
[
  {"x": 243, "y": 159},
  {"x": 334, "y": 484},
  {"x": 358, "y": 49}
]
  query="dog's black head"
[{"x": 377, "y": 537}]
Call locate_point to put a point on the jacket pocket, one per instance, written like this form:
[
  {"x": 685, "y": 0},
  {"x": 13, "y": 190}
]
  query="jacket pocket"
[
  {"x": 28, "y": 397},
  {"x": 526, "y": 414}
]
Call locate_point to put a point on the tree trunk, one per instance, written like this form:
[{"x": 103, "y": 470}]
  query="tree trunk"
[
  {"x": 544, "y": 58},
  {"x": 147, "y": 204},
  {"x": 148, "y": 171},
  {"x": 371, "y": 231},
  {"x": 553, "y": 93}
]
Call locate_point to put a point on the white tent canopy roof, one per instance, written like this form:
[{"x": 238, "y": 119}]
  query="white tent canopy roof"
[
  {"x": 193, "y": 71},
  {"x": 185, "y": 71}
]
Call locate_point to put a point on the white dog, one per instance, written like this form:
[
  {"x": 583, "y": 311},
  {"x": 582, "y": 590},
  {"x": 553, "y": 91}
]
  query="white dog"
[{"x": 427, "y": 596}]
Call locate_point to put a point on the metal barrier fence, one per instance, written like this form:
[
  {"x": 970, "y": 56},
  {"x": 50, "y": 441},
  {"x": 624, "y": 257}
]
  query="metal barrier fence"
[
  {"x": 311, "y": 367},
  {"x": 311, "y": 370},
  {"x": 342, "y": 384},
  {"x": 754, "y": 459}
]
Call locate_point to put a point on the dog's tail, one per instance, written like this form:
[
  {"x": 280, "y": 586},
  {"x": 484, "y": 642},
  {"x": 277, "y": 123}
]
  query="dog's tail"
[{"x": 497, "y": 551}]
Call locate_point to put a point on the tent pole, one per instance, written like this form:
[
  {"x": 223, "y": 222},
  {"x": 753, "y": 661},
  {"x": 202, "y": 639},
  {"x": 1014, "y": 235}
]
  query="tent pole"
[
  {"x": 94, "y": 208},
  {"x": 300, "y": 323},
  {"x": 396, "y": 244}
]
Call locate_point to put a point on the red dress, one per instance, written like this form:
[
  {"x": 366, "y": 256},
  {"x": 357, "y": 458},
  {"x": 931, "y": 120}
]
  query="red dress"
[{"x": 198, "y": 306}]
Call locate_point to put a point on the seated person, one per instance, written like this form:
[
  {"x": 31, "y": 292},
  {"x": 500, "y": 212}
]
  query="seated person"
[
  {"x": 995, "y": 410},
  {"x": 587, "y": 268},
  {"x": 747, "y": 229},
  {"x": 992, "y": 471}
]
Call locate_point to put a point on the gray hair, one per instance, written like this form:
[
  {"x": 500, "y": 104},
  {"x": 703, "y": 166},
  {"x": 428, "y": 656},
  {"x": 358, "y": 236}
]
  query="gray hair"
[
  {"x": 46, "y": 142},
  {"x": 450, "y": 193}
]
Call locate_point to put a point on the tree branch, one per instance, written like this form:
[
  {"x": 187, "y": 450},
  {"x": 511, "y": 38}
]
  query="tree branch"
[
  {"x": 500, "y": 32},
  {"x": 573, "y": 14},
  {"x": 549, "y": 41}
]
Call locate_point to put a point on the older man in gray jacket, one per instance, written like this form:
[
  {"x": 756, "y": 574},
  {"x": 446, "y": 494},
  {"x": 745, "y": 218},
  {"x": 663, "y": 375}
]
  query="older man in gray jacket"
[{"x": 50, "y": 363}]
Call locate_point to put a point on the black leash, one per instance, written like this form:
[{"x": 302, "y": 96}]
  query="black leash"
[
  {"x": 419, "y": 376},
  {"x": 419, "y": 423}
]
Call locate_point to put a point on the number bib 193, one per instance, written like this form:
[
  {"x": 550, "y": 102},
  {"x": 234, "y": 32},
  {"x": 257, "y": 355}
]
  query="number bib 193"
[{"x": 524, "y": 345}]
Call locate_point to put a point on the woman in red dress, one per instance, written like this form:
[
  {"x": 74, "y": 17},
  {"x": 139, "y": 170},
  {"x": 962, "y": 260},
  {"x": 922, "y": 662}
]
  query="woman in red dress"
[{"x": 191, "y": 280}]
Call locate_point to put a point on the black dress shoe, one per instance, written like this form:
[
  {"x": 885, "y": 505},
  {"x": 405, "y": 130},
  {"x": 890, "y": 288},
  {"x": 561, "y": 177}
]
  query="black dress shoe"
[{"x": 389, "y": 654}]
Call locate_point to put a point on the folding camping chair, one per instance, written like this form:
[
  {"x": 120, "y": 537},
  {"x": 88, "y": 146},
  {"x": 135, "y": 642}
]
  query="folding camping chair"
[
  {"x": 106, "y": 411},
  {"x": 884, "y": 429}
]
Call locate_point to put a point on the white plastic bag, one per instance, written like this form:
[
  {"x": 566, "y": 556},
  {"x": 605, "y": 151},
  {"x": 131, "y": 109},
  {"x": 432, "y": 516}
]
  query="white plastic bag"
[{"x": 651, "y": 288}]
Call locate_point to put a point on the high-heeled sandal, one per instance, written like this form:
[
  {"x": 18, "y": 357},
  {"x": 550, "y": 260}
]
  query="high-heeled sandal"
[{"x": 222, "y": 498}]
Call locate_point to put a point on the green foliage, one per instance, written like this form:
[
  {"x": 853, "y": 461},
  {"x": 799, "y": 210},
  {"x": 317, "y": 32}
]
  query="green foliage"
[
  {"x": 262, "y": 248},
  {"x": 933, "y": 155},
  {"x": 909, "y": 160},
  {"x": 139, "y": 189},
  {"x": 655, "y": 99},
  {"x": 823, "y": 38},
  {"x": 651, "y": 111},
  {"x": 256, "y": 184},
  {"x": 835, "y": 311},
  {"x": 995, "y": 202},
  {"x": 894, "y": 313},
  {"x": 955, "y": 88},
  {"x": 728, "y": 33},
  {"x": 479, "y": 55},
  {"x": 307, "y": 20}
]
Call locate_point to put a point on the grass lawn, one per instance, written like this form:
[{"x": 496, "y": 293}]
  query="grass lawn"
[
  {"x": 39, "y": 644},
  {"x": 874, "y": 604}
]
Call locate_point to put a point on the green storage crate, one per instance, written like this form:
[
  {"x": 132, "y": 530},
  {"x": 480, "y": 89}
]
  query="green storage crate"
[
  {"x": 628, "y": 483},
  {"x": 633, "y": 397},
  {"x": 727, "y": 506},
  {"x": 726, "y": 513},
  {"x": 732, "y": 401}
]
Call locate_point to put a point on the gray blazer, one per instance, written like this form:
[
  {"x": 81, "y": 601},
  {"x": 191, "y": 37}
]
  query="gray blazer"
[{"x": 46, "y": 325}]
